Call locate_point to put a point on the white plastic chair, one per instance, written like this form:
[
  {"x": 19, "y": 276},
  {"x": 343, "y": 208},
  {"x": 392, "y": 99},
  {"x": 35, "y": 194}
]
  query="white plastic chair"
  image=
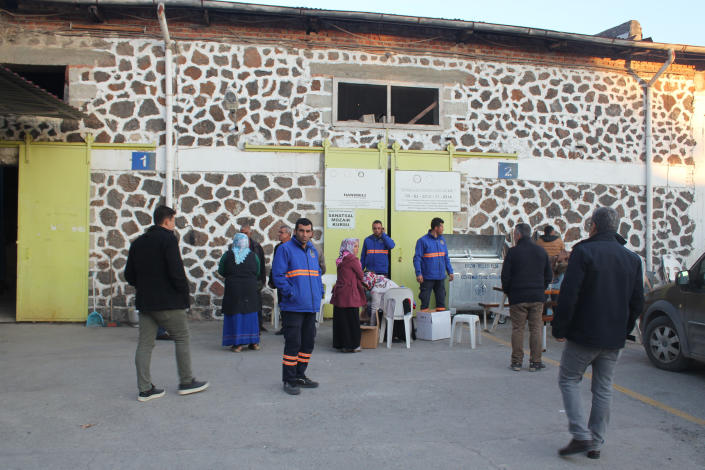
[
  {"x": 393, "y": 308},
  {"x": 501, "y": 311},
  {"x": 473, "y": 322},
  {"x": 328, "y": 281}
]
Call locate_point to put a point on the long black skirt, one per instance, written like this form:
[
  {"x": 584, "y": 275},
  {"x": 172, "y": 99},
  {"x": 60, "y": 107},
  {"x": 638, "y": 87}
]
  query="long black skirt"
[{"x": 346, "y": 327}]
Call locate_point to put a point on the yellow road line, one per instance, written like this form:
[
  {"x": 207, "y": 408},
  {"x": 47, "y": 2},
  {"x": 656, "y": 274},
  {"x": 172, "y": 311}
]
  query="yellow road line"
[{"x": 630, "y": 393}]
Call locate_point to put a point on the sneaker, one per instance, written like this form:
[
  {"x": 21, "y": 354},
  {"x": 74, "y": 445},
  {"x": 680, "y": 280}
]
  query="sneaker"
[
  {"x": 305, "y": 382},
  {"x": 194, "y": 387},
  {"x": 150, "y": 394},
  {"x": 516, "y": 366},
  {"x": 534, "y": 366},
  {"x": 593, "y": 454},
  {"x": 292, "y": 388},
  {"x": 576, "y": 446}
]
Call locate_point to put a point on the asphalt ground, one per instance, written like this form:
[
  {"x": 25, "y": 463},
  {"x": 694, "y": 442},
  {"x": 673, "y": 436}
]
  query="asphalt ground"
[{"x": 68, "y": 401}]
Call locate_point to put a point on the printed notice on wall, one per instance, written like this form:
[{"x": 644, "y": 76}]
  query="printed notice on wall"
[
  {"x": 427, "y": 191},
  {"x": 344, "y": 219},
  {"x": 355, "y": 188}
]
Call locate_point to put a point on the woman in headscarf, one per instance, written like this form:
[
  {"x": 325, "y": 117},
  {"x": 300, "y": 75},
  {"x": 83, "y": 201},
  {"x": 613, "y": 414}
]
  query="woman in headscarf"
[
  {"x": 240, "y": 267},
  {"x": 348, "y": 296}
]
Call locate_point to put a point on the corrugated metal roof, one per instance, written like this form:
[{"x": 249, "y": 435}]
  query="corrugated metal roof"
[{"x": 21, "y": 97}]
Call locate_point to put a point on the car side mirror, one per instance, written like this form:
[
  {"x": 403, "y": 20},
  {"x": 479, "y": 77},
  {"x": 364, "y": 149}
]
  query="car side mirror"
[{"x": 683, "y": 278}]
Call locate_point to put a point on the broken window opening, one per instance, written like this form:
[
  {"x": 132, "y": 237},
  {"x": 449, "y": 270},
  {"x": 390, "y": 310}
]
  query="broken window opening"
[
  {"x": 387, "y": 105},
  {"x": 48, "y": 77}
]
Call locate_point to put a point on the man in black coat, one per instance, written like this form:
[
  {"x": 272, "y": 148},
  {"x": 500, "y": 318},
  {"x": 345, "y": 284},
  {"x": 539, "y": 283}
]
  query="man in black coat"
[
  {"x": 602, "y": 295},
  {"x": 155, "y": 269},
  {"x": 526, "y": 272},
  {"x": 262, "y": 279}
]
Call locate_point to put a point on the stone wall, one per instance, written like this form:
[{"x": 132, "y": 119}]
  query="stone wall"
[
  {"x": 495, "y": 206},
  {"x": 229, "y": 94},
  {"x": 211, "y": 208}
]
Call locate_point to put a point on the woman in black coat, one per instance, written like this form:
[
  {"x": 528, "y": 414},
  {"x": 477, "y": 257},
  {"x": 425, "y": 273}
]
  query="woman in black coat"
[{"x": 240, "y": 267}]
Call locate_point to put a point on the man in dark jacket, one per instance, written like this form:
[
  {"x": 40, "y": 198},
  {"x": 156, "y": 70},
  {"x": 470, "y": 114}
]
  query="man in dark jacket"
[
  {"x": 297, "y": 274},
  {"x": 262, "y": 278},
  {"x": 526, "y": 272},
  {"x": 601, "y": 297},
  {"x": 155, "y": 269}
]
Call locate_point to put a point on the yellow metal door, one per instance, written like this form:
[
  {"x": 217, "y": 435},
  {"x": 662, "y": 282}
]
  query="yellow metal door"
[
  {"x": 53, "y": 229},
  {"x": 360, "y": 159},
  {"x": 406, "y": 227}
]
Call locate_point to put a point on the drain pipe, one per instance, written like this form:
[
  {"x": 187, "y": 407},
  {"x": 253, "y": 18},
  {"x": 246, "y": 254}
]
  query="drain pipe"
[
  {"x": 169, "y": 79},
  {"x": 650, "y": 165}
]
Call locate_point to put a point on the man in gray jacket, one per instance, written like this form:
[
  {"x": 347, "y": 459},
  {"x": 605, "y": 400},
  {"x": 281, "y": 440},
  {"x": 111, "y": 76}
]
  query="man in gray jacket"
[{"x": 601, "y": 297}]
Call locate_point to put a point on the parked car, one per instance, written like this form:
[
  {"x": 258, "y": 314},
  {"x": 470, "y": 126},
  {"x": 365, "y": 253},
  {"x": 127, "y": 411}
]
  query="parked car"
[{"x": 673, "y": 322}]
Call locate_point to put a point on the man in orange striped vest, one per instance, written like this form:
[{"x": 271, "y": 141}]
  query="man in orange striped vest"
[
  {"x": 297, "y": 275},
  {"x": 431, "y": 263}
]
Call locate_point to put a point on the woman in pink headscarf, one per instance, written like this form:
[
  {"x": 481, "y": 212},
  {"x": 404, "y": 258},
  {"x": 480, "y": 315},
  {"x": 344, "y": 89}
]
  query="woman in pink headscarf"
[{"x": 348, "y": 297}]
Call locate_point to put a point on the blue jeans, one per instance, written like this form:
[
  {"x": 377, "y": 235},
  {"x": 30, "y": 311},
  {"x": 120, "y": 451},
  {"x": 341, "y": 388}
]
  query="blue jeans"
[{"x": 574, "y": 361}]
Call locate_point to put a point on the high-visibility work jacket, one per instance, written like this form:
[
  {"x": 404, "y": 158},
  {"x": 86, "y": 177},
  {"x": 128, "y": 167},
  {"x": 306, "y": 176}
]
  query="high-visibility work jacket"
[
  {"x": 375, "y": 253},
  {"x": 297, "y": 275},
  {"x": 431, "y": 257}
]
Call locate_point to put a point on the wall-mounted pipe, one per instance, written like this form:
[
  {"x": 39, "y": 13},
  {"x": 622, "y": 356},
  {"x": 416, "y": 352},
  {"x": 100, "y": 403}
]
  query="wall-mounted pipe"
[
  {"x": 650, "y": 163},
  {"x": 169, "y": 104}
]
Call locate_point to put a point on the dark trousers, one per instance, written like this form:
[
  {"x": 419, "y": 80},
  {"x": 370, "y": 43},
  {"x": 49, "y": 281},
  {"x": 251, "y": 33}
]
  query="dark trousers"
[
  {"x": 299, "y": 337},
  {"x": 439, "y": 289},
  {"x": 346, "y": 327}
]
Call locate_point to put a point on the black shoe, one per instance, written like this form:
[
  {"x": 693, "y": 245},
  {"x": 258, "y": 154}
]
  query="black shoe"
[
  {"x": 292, "y": 388},
  {"x": 593, "y": 454},
  {"x": 280, "y": 332},
  {"x": 515, "y": 366},
  {"x": 305, "y": 382},
  {"x": 194, "y": 387},
  {"x": 150, "y": 394},
  {"x": 534, "y": 366},
  {"x": 576, "y": 446}
]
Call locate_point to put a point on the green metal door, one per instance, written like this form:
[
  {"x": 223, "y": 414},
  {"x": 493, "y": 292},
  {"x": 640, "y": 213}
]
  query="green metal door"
[
  {"x": 406, "y": 227},
  {"x": 347, "y": 158},
  {"x": 53, "y": 230}
]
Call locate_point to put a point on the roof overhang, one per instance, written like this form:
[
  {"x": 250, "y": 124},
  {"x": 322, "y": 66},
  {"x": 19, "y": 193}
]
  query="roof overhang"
[{"x": 21, "y": 97}]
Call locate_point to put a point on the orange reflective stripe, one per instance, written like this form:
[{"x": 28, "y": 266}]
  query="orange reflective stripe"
[
  {"x": 304, "y": 355},
  {"x": 301, "y": 359},
  {"x": 287, "y": 363},
  {"x": 302, "y": 272},
  {"x": 291, "y": 358},
  {"x": 434, "y": 255},
  {"x": 381, "y": 252}
]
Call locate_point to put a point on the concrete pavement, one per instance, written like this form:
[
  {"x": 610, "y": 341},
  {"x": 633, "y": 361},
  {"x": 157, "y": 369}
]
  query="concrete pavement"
[{"x": 68, "y": 401}]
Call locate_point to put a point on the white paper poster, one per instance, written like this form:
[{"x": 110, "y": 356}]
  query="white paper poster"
[
  {"x": 355, "y": 188},
  {"x": 344, "y": 219},
  {"x": 427, "y": 191}
]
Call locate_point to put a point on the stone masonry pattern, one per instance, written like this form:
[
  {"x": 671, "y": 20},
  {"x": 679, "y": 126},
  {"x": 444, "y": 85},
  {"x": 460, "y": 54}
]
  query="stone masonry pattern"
[{"x": 270, "y": 96}]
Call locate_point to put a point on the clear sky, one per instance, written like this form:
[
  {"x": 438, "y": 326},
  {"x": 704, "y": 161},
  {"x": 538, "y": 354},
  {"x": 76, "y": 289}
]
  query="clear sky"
[{"x": 669, "y": 21}]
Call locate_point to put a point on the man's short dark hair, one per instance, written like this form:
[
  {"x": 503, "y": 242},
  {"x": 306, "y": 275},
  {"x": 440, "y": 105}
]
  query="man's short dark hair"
[
  {"x": 161, "y": 213},
  {"x": 436, "y": 222},
  {"x": 547, "y": 230},
  {"x": 523, "y": 229},
  {"x": 302, "y": 221},
  {"x": 605, "y": 219},
  {"x": 377, "y": 222}
]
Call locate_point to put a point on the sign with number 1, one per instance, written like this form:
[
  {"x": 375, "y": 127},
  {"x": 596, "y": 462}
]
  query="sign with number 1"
[{"x": 143, "y": 160}]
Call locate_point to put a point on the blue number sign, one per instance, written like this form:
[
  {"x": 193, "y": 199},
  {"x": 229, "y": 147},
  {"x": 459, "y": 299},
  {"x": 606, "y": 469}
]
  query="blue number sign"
[
  {"x": 143, "y": 160},
  {"x": 508, "y": 170}
]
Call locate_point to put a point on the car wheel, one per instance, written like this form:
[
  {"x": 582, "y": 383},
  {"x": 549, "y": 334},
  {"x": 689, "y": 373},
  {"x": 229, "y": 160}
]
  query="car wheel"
[{"x": 663, "y": 345}]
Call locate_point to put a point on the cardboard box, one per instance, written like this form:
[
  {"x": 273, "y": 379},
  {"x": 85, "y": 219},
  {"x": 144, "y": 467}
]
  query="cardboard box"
[
  {"x": 433, "y": 325},
  {"x": 369, "y": 336}
]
